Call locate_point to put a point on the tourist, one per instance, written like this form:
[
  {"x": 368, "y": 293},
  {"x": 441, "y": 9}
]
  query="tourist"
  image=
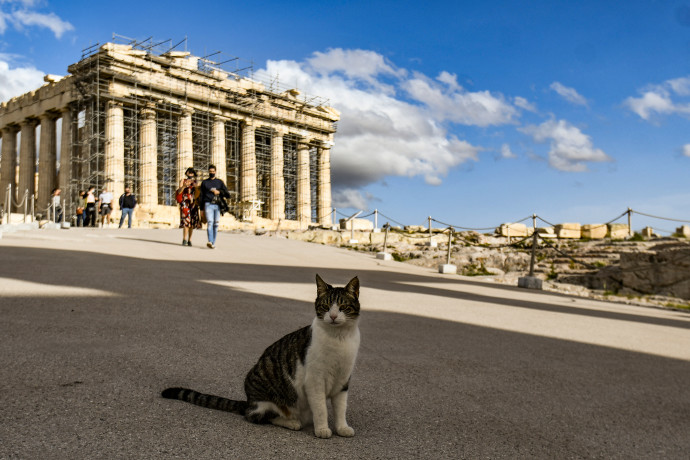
[
  {"x": 56, "y": 205},
  {"x": 81, "y": 202},
  {"x": 188, "y": 198},
  {"x": 127, "y": 204},
  {"x": 213, "y": 190},
  {"x": 90, "y": 210},
  {"x": 106, "y": 206}
]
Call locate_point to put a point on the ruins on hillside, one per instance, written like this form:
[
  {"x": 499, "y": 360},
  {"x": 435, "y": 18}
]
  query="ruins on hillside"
[{"x": 133, "y": 114}]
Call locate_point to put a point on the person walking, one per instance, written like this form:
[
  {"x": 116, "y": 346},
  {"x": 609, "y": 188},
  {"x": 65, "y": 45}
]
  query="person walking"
[
  {"x": 90, "y": 210},
  {"x": 187, "y": 195},
  {"x": 213, "y": 190},
  {"x": 127, "y": 204},
  {"x": 106, "y": 201}
]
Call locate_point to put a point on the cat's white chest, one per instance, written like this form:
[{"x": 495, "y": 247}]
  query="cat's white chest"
[{"x": 330, "y": 359}]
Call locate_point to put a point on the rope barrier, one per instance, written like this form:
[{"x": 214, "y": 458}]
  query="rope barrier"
[
  {"x": 663, "y": 218},
  {"x": 584, "y": 264},
  {"x": 392, "y": 220}
]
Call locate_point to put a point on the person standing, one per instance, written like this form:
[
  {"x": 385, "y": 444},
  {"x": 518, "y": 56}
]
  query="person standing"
[
  {"x": 213, "y": 190},
  {"x": 90, "y": 210},
  {"x": 81, "y": 202},
  {"x": 56, "y": 205},
  {"x": 188, "y": 198},
  {"x": 106, "y": 201},
  {"x": 127, "y": 204}
]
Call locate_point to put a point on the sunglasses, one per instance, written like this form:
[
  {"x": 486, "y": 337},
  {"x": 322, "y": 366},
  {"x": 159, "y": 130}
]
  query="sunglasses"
[{"x": 191, "y": 177}]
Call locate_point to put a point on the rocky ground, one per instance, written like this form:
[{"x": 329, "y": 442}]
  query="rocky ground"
[{"x": 654, "y": 272}]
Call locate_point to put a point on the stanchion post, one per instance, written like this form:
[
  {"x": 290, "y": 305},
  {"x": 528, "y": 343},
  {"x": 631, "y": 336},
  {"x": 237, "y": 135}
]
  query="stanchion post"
[
  {"x": 534, "y": 222},
  {"x": 630, "y": 232},
  {"x": 376, "y": 220},
  {"x": 450, "y": 243},
  {"x": 384, "y": 255},
  {"x": 448, "y": 268},
  {"x": 26, "y": 203},
  {"x": 534, "y": 251},
  {"x": 33, "y": 207},
  {"x": 431, "y": 243}
]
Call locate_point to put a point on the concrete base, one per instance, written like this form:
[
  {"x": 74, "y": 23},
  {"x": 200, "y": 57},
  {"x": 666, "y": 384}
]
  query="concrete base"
[
  {"x": 530, "y": 282},
  {"x": 384, "y": 256},
  {"x": 51, "y": 226},
  {"x": 352, "y": 241},
  {"x": 65, "y": 225},
  {"x": 448, "y": 269},
  {"x": 377, "y": 230},
  {"x": 431, "y": 244}
]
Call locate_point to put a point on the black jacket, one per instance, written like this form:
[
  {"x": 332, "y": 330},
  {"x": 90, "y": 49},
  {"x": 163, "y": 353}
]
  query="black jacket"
[
  {"x": 127, "y": 201},
  {"x": 206, "y": 193}
]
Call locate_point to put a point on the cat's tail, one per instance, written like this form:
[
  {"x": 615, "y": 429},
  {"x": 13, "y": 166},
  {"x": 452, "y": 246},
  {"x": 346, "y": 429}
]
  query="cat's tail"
[{"x": 204, "y": 400}]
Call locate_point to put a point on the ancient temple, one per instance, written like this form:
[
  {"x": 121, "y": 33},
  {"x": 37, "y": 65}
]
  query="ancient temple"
[{"x": 127, "y": 115}]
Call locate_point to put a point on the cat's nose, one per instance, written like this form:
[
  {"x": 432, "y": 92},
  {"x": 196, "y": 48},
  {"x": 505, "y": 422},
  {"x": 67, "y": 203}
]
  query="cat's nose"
[{"x": 334, "y": 316}]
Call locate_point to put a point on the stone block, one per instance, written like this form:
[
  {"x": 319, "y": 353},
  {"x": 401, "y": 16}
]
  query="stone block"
[
  {"x": 594, "y": 231},
  {"x": 618, "y": 231},
  {"x": 569, "y": 230},
  {"x": 647, "y": 232},
  {"x": 384, "y": 256},
  {"x": 684, "y": 230},
  {"x": 448, "y": 269},
  {"x": 359, "y": 224},
  {"x": 513, "y": 230},
  {"x": 530, "y": 282}
]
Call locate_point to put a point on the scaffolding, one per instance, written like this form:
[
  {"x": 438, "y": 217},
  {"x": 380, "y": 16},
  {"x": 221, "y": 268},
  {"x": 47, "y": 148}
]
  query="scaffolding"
[{"x": 97, "y": 74}]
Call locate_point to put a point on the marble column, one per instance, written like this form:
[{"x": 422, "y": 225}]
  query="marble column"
[
  {"x": 277, "y": 179},
  {"x": 115, "y": 149},
  {"x": 303, "y": 185},
  {"x": 47, "y": 162},
  {"x": 248, "y": 180},
  {"x": 27, "y": 159},
  {"x": 8, "y": 168},
  {"x": 148, "y": 152},
  {"x": 185, "y": 146},
  {"x": 65, "y": 176},
  {"x": 218, "y": 154},
  {"x": 324, "y": 186}
]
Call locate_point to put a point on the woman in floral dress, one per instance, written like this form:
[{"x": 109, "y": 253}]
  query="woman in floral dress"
[{"x": 188, "y": 198}]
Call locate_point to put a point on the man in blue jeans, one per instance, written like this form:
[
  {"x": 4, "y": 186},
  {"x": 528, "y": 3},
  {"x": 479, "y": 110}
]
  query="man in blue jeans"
[
  {"x": 212, "y": 191},
  {"x": 127, "y": 204}
]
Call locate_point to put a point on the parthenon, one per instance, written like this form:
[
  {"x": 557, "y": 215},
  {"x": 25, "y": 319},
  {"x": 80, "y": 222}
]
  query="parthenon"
[{"x": 131, "y": 115}]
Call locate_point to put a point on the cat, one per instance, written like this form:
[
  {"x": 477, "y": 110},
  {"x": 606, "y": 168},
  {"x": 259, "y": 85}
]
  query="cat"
[{"x": 294, "y": 377}]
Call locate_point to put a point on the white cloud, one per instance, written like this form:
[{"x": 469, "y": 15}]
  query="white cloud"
[
  {"x": 570, "y": 150},
  {"x": 380, "y": 134},
  {"x": 659, "y": 99},
  {"x": 17, "y": 80},
  {"x": 349, "y": 198},
  {"x": 569, "y": 94},
  {"x": 448, "y": 101},
  {"x": 524, "y": 104},
  {"x": 26, "y": 16},
  {"x": 506, "y": 152},
  {"x": 686, "y": 150}
]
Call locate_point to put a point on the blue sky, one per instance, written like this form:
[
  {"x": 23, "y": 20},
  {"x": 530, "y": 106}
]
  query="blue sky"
[{"x": 474, "y": 113}]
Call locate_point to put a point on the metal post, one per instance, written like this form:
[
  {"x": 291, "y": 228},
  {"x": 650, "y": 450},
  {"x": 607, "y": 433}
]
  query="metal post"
[
  {"x": 385, "y": 237},
  {"x": 429, "y": 229},
  {"x": 26, "y": 202},
  {"x": 534, "y": 222},
  {"x": 376, "y": 219},
  {"x": 630, "y": 232},
  {"x": 450, "y": 243},
  {"x": 534, "y": 251},
  {"x": 33, "y": 208}
]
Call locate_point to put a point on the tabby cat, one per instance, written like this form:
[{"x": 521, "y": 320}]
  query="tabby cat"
[{"x": 294, "y": 377}]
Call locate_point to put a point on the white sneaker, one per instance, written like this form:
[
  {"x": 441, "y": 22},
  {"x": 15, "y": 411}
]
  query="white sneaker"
[{"x": 210, "y": 245}]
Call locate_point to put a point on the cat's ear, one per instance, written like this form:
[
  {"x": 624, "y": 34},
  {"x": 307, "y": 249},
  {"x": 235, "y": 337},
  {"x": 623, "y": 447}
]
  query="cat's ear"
[
  {"x": 353, "y": 287},
  {"x": 321, "y": 286}
]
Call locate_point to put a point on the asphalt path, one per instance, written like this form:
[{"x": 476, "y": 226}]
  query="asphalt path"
[{"x": 94, "y": 323}]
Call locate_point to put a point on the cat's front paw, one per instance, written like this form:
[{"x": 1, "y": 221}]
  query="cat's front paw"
[
  {"x": 324, "y": 433},
  {"x": 345, "y": 431}
]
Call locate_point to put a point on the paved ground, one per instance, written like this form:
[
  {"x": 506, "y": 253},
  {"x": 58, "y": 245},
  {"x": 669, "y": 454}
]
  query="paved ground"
[{"x": 94, "y": 323}]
